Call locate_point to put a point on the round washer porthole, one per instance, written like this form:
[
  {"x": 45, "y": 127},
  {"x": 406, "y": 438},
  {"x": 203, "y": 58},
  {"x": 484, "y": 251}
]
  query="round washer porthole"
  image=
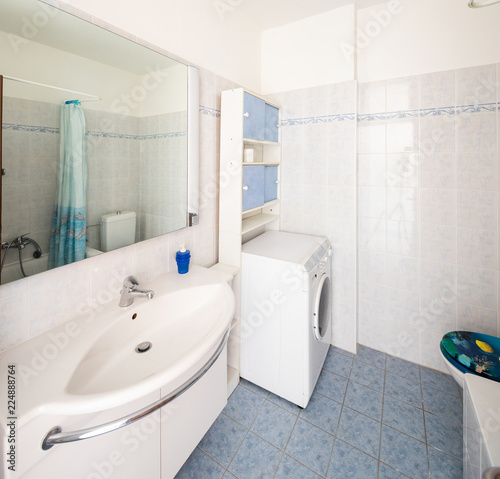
[{"x": 321, "y": 307}]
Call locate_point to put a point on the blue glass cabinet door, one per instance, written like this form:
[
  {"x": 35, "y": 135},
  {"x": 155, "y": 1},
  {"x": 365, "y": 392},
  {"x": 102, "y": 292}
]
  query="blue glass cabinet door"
[
  {"x": 254, "y": 117},
  {"x": 253, "y": 186},
  {"x": 270, "y": 183},
  {"x": 272, "y": 121}
]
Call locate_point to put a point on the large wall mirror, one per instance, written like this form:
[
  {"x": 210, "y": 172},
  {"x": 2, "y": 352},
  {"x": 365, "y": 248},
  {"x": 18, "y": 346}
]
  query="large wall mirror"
[{"x": 96, "y": 135}]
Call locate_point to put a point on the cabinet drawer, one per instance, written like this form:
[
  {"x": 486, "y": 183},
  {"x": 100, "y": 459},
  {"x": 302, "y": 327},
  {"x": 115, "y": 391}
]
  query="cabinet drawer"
[
  {"x": 270, "y": 183},
  {"x": 253, "y": 186}
]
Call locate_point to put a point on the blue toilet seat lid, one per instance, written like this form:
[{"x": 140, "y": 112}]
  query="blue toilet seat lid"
[{"x": 476, "y": 353}]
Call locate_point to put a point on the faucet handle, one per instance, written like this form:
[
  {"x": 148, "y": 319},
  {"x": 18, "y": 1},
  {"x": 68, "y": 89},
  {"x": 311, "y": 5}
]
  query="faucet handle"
[{"x": 131, "y": 282}]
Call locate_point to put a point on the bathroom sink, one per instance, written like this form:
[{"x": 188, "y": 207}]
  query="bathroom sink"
[
  {"x": 166, "y": 334},
  {"x": 87, "y": 378},
  {"x": 90, "y": 363}
]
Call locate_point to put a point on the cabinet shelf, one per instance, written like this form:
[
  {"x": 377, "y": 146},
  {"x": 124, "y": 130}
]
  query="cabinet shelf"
[
  {"x": 265, "y": 205},
  {"x": 251, "y": 141},
  {"x": 253, "y": 222},
  {"x": 245, "y": 117},
  {"x": 262, "y": 163}
]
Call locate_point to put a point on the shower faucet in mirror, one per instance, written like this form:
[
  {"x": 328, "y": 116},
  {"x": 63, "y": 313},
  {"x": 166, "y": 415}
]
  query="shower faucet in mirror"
[{"x": 20, "y": 244}]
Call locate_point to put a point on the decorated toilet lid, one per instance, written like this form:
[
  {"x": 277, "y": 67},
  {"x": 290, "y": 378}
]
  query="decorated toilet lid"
[{"x": 474, "y": 352}]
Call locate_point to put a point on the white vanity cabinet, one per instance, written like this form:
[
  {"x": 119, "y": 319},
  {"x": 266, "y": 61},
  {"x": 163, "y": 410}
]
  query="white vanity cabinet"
[
  {"x": 130, "y": 452},
  {"x": 250, "y": 156},
  {"x": 154, "y": 447}
]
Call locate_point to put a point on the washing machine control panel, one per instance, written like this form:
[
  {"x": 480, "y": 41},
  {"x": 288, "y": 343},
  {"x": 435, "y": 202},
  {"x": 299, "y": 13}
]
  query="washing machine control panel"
[{"x": 323, "y": 263}]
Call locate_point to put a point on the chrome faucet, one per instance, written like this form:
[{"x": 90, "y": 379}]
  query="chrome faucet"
[{"x": 130, "y": 290}]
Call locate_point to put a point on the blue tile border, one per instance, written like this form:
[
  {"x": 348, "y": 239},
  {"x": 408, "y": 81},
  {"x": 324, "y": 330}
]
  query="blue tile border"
[
  {"x": 99, "y": 134},
  {"x": 319, "y": 119},
  {"x": 213, "y": 112},
  {"x": 204, "y": 110},
  {"x": 394, "y": 115}
]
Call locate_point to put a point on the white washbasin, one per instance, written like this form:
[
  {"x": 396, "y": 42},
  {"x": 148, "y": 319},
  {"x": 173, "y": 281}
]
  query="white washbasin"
[
  {"x": 179, "y": 325},
  {"x": 90, "y": 364}
]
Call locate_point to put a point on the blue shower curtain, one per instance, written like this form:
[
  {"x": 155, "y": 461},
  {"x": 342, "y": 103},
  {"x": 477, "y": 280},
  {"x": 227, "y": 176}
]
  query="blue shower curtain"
[{"x": 67, "y": 241}]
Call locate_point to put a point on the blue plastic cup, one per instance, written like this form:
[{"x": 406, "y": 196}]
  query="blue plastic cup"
[{"x": 182, "y": 258}]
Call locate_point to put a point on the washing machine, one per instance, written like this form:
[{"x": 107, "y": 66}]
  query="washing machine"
[{"x": 286, "y": 312}]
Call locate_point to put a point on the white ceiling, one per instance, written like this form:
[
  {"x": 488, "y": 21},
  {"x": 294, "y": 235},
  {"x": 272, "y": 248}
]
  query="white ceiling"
[{"x": 265, "y": 14}]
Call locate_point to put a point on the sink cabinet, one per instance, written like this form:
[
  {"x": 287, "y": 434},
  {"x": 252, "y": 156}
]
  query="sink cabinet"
[{"x": 155, "y": 447}]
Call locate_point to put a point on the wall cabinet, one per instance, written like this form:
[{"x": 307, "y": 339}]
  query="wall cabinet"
[
  {"x": 260, "y": 119},
  {"x": 249, "y": 190}
]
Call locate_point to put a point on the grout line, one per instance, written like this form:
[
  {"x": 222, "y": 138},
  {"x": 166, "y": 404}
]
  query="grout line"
[{"x": 381, "y": 420}]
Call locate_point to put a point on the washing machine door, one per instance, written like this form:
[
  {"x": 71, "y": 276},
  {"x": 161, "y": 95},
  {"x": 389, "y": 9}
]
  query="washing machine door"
[{"x": 321, "y": 307}]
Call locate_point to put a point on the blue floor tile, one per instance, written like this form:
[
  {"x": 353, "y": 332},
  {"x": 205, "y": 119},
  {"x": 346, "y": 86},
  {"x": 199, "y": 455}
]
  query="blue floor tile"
[
  {"x": 350, "y": 463},
  {"x": 386, "y": 472},
  {"x": 332, "y": 386},
  {"x": 404, "y": 418},
  {"x": 439, "y": 380},
  {"x": 255, "y": 459},
  {"x": 338, "y": 363},
  {"x": 355, "y": 400},
  {"x": 359, "y": 431},
  {"x": 342, "y": 351},
  {"x": 364, "y": 400},
  {"x": 444, "y": 435},
  {"x": 402, "y": 368},
  {"x": 404, "y": 453},
  {"x": 367, "y": 375},
  {"x": 371, "y": 356},
  {"x": 200, "y": 465},
  {"x": 243, "y": 406},
  {"x": 291, "y": 469},
  {"x": 274, "y": 424},
  {"x": 322, "y": 412},
  {"x": 311, "y": 446},
  {"x": 254, "y": 388},
  {"x": 223, "y": 439},
  {"x": 283, "y": 403},
  {"x": 443, "y": 466},
  {"x": 442, "y": 404},
  {"x": 403, "y": 389}
]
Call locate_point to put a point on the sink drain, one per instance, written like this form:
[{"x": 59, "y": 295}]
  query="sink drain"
[{"x": 143, "y": 347}]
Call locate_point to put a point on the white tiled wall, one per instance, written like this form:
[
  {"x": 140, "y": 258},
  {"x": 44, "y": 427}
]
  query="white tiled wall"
[
  {"x": 35, "y": 304},
  {"x": 318, "y": 191},
  {"x": 428, "y": 210}
]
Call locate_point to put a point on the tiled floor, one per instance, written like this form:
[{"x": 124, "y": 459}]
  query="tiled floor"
[{"x": 371, "y": 416}]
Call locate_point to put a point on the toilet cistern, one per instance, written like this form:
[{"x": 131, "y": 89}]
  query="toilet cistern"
[{"x": 130, "y": 290}]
